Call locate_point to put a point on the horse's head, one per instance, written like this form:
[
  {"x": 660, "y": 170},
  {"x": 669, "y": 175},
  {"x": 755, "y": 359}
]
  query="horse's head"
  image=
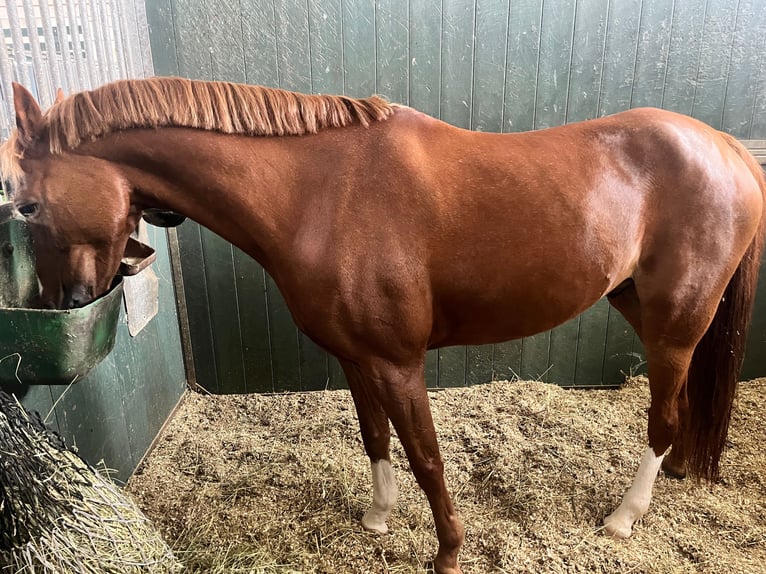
[{"x": 78, "y": 207}]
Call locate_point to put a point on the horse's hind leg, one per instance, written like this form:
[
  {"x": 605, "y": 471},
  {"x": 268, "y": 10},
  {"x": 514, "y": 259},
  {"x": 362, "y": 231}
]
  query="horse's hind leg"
[
  {"x": 628, "y": 304},
  {"x": 667, "y": 375},
  {"x": 376, "y": 435},
  {"x": 674, "y": 463},
  {"x": 670, "y": 326}
]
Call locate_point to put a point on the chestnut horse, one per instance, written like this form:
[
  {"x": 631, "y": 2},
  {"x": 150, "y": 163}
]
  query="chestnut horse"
[{"x": 390, "y": 233}]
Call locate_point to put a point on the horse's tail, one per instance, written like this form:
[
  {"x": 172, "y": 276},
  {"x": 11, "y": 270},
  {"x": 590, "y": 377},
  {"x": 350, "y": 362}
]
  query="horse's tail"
[{"x": 717, "y": 360}]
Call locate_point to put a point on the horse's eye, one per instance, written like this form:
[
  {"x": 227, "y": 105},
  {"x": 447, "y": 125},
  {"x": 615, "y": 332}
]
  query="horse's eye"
[{"x": 28, "y": 210}]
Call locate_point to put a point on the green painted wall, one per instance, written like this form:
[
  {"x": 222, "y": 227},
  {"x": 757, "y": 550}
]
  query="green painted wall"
[
  {"x": 492, "y": 65},
  {"x": 114, "y": 413}
]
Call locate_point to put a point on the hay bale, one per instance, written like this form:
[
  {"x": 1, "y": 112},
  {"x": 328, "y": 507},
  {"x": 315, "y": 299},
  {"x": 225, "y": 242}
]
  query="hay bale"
[{"x": 59, "y": 515}]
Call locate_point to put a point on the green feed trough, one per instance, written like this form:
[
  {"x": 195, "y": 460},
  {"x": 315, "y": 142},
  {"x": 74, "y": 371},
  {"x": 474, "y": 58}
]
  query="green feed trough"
[{"x": 44, "y": 346}]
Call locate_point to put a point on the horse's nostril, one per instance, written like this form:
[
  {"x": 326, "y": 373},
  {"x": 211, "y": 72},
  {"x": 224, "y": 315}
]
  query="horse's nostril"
[
  {"x": 79, "y": 296},
  {"x": 72, "y": 303}
]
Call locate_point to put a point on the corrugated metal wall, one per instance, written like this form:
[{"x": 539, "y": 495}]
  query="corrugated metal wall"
[
  {"x": 492, "y": 65},
  {"x": 93, "y": 41},
  {"x": 114, "y": 413}
]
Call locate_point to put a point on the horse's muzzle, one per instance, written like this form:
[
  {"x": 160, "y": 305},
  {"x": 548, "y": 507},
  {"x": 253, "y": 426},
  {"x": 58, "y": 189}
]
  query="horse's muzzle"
[{"x": 77, "y": 296}]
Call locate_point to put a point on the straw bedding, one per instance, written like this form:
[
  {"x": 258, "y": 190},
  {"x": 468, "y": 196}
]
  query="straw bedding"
[{"x": 249, "y": 484}]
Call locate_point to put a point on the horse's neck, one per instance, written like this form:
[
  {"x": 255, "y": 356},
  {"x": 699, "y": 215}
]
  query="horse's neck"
[{"x": 242, "y": 188}]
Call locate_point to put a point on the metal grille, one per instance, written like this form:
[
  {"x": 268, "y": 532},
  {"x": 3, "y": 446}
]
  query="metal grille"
[{"x": 69, "y": 44}]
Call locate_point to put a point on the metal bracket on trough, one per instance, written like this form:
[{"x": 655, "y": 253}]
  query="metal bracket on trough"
[
  {"x": 141, "y": 291},
  {"x": 163, "y": 218}
]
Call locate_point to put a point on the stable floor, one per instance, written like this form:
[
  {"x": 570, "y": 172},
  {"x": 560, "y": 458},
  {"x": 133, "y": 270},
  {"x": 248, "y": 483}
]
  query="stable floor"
[{"x": 256, "y": 483}]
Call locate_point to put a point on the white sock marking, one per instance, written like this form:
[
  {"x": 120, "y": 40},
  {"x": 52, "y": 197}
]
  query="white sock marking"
[
  {"x": 636, "y": 500},
  {"x": 384, "y": 493}
]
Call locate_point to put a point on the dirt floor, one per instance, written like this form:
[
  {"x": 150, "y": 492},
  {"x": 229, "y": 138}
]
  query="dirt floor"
[{"x": 250, "y": 484}]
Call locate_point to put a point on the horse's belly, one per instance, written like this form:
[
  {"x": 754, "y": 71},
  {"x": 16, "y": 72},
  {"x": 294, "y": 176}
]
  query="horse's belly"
[{"x": 496, "y": 315}]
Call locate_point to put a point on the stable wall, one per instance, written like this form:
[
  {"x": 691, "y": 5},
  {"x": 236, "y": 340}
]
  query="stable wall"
[{"x": 491, "y": 65}]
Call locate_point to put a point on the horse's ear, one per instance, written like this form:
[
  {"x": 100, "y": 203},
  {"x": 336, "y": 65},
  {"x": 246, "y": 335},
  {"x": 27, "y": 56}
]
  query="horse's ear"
[
  {"x": 29, "y": 116},
  {"x": 59, "y": 96}
]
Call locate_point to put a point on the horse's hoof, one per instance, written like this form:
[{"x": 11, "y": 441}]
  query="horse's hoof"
[
  {"x": 617, "y": 528},
  {"x": 372, "y": 523},
  {"x": 441, "y": 569},
  {"x": 674, "y": 471}
]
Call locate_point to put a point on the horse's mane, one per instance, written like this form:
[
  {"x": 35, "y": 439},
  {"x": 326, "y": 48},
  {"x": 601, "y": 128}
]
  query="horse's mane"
[
  {"x": 177, "y": 102},
  {"x": 216, "y": 106},
  {"x": 10, "y": 167}
]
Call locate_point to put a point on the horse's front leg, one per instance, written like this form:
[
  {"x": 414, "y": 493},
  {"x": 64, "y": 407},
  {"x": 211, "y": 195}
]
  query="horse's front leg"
[
  {"x": 401, "y": 391},
  {"x": 376, "y": 435}
]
